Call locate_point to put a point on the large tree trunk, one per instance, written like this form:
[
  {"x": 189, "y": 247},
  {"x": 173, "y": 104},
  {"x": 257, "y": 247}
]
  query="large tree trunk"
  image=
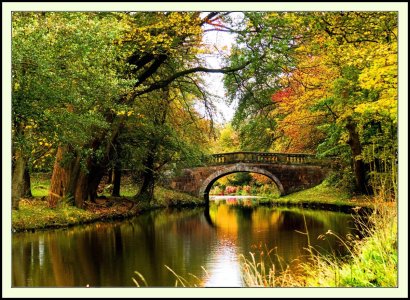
[
  {"x": 65, "y": 176},
  {"x": 146, "y": 192},
  {"x": 17, "y": 186},
  {"x": 72, "y": 182},
  {"x": 69, "y": 179},
  {"x": 359, "y": 167}
]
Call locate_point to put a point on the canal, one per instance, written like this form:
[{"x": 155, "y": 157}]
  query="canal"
[{"x": 201, "y": 246}]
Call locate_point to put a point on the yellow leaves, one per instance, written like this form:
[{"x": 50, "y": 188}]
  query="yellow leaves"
[
  {"x": 45, "y": 144},
  {"x": 161, "y": 31},
  {"x": 16, "y": 86},
  {"x": 385, "y": 107},
  {"x": 125, "y": 113},
  {"x": 344, "y": 137},
  {"x": 381, "y": 76}
]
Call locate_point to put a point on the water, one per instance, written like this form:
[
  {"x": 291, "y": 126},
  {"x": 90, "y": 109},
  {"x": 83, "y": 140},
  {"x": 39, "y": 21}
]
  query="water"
[{"x": 202, "y": 248}]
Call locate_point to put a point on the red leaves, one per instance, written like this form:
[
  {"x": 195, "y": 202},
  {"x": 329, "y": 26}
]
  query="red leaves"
[{"x": 282, "y": 95}]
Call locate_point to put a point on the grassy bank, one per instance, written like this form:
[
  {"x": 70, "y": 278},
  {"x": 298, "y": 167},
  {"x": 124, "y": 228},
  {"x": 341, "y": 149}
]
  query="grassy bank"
[
  {"x": 323, "y": 196},
  {"x": 34, "y": 212},
  {"x": 372, "y": 261}
]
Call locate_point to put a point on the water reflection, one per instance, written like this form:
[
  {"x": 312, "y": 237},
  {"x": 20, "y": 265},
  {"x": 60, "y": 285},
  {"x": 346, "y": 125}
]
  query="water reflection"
[
  {"x": 107, "y": 254},
  {"x": 223, "y": 266}
]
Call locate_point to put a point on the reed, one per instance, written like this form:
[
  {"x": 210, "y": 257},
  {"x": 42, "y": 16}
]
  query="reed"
[{"x": 371, "y": 261}]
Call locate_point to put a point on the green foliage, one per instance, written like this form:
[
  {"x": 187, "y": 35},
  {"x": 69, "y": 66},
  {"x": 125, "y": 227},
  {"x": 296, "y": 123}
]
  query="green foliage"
[
  {"x": 266, "y": 42},
  {"x": 257, "y": 134},
  {"x": 241, "y": 178},
  {"x": 227, "y": 141},
  {"x": 66, "y": 71}
]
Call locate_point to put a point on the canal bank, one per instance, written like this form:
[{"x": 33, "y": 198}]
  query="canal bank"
[{"x": 34, "y": 213}]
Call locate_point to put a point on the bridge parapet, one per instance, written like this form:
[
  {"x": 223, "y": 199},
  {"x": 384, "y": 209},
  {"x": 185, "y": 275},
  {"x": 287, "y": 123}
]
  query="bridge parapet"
[{"x": 264, "y": 157}]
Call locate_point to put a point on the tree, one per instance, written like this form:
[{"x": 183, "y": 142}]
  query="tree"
[
  {"x": 363, "y": 111},
  {"x": 227, "y": 140},
  {"x": 160, "y": 50},
  {"x": 266, "y": 40},
  {"x": 333, "y": 85},
  {"x": 59, "y": 80}
]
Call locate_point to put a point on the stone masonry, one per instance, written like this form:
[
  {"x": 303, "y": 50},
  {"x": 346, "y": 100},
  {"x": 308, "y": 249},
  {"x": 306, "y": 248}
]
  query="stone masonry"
[{"x": 288, "y": 177}]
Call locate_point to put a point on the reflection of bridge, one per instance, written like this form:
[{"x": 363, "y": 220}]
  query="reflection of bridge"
[{"x": 290, "y": 172}]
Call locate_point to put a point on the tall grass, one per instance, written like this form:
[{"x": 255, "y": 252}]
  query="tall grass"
[
  {"x": 179, "y": 280},
  {"x": 371, "y": 261}
]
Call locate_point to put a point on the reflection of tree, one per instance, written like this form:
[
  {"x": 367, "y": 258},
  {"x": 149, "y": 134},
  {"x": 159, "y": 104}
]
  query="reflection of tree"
[
  {"x": 149, "y": 238},
  {"x": 22, "y": 266},
  {"x": 107, "y": 254},
  {"x": 264, "y": 228},
  {"x": 60, "y": 268}
]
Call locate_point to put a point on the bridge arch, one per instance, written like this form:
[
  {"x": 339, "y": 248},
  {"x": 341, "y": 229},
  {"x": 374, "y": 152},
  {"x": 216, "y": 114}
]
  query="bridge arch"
[{"x": 209, "y": 181}]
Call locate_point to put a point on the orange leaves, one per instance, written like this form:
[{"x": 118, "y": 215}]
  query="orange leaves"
[{"x": 304, "y": 85}]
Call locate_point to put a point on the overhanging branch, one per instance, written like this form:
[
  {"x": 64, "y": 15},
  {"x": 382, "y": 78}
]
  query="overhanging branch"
[{"x": 166, "y": 82}]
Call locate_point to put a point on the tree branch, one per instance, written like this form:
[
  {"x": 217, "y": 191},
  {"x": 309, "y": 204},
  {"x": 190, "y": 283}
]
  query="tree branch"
[{"x": 164, "y": 83}]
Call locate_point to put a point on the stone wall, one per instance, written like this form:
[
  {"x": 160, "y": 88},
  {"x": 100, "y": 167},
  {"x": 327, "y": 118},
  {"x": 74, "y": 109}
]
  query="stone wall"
[{"x": 289, "y": 178}]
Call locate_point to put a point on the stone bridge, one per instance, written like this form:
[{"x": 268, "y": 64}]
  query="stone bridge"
[{"x": 290, "y": 172}]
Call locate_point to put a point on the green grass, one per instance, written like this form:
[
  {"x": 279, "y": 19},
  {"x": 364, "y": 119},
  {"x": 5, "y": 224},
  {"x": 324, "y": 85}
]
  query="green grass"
[
  {"x": 39, "y": 185},
  {"x": 323, "y": 193},
  {"x": 35, "y": 214},
  {"x": 165, "y": 198}
]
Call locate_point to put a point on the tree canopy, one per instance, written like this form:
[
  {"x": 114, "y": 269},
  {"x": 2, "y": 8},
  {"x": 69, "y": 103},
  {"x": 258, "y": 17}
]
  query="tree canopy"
[{"x": 103, "y": 90}]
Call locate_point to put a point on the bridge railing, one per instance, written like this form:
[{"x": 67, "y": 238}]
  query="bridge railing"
[{"x": 263, "y": 157}]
